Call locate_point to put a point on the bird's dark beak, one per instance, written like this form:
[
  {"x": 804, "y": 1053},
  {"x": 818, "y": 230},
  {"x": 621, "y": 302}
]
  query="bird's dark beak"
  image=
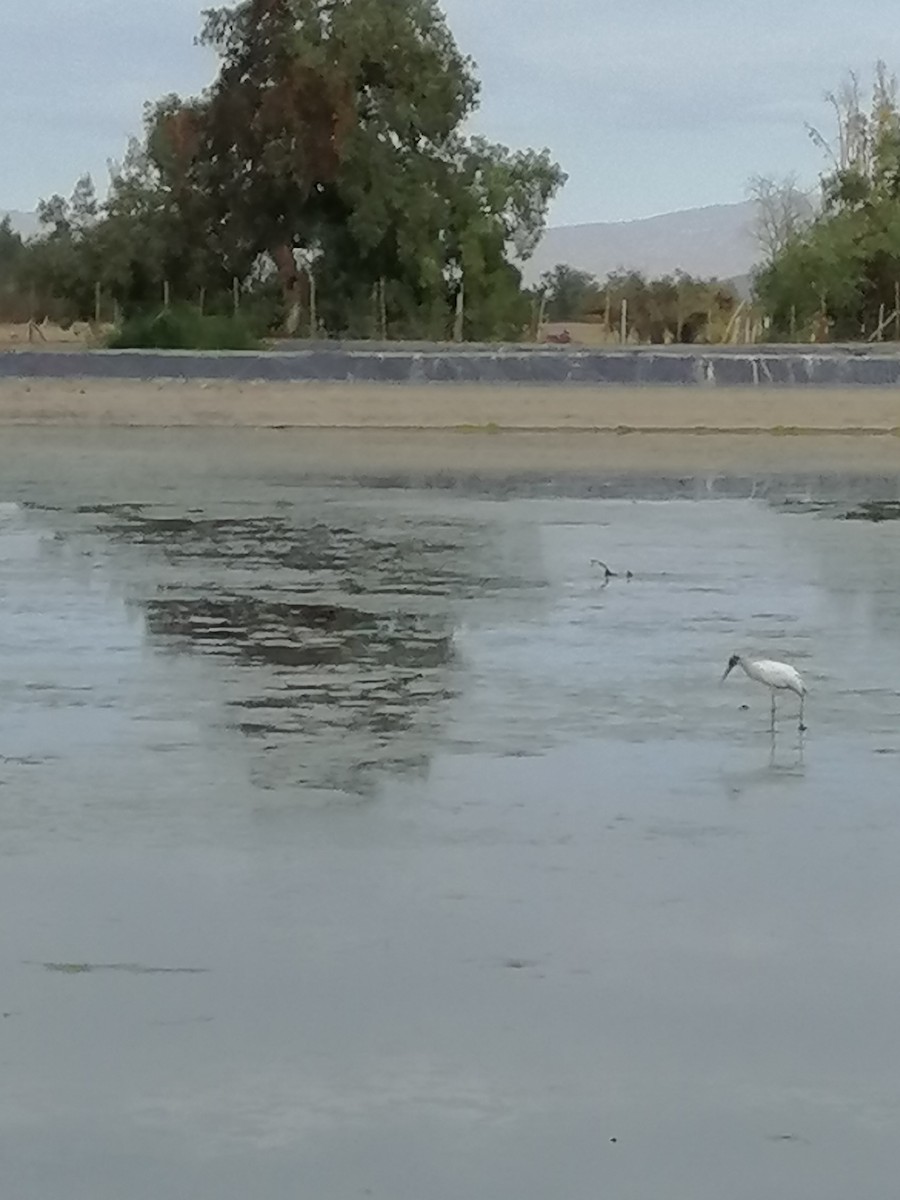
[{"x": 727, "y": 672}]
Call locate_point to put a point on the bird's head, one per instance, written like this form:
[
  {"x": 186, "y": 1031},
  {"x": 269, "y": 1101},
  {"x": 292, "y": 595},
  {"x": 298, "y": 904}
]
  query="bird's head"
[{"x": 733, "y": 662}]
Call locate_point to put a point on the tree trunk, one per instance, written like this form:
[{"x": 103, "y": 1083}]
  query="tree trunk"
[{"x": 294, "y": 287}]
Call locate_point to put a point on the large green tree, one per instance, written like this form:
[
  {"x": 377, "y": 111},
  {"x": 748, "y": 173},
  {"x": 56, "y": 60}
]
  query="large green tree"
[
  {"x": 839, "y": 276},
  {"x": 329, "y": 150},
  {"x": 333, "y": 132}
]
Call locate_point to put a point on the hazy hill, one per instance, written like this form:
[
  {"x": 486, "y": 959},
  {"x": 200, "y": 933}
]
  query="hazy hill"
[{"x": 702, "y": 241}]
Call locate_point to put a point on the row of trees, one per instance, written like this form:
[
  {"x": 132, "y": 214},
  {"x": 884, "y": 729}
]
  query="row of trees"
[
  {"x": 326, "y": 169},
  {"x": 673, "y": 308},
  {"x": 324, "y": 180}
]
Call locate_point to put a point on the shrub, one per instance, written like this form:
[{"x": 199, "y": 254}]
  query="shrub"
[{"x": 182, "y": 328}]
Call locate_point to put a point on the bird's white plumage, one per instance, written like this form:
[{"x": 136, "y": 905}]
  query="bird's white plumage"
[{"x": 773, "y": 674}]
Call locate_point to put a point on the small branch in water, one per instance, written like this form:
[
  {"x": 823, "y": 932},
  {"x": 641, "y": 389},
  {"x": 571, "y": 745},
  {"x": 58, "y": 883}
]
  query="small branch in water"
[{"x": 607, "y": 573}]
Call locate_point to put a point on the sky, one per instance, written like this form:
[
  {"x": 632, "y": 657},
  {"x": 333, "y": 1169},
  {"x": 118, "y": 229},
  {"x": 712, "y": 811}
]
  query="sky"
[{"x": 650, "y": 106}]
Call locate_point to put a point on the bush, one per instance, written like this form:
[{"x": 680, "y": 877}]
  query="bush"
[{"x": 182, "y": 328}]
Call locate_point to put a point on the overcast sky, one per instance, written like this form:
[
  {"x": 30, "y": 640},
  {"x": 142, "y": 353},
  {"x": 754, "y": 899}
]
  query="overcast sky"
[{"x": 649, "y": 105}]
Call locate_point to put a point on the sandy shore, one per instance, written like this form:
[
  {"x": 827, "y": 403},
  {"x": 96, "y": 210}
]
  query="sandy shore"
[
  {"x": 155, "y": 403},
  {"x": 118, "y": 459}
]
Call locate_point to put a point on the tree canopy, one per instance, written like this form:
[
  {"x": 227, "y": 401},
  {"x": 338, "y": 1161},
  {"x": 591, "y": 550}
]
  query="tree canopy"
[
  {"x": 838, "y": 275},
  {"x": 326, "y": 168}
]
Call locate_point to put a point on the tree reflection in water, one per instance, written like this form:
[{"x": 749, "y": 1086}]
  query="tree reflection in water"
[{"x": 337, "y": 642}]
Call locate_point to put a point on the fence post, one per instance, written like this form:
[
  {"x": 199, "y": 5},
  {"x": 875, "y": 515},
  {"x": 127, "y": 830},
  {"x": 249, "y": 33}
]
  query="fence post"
[
  {"x": 97, "y": 299},
  {"x": 236, "y": 294},
  {"x": 460, "y": 313},
  {"x": 623, "y": 322},
  {"x": 541, "y": 315},
  {"x": 313, "y": 307}
]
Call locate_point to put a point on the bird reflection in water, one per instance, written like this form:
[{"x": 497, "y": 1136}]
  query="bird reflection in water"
[{"x": 780, "y": 765}]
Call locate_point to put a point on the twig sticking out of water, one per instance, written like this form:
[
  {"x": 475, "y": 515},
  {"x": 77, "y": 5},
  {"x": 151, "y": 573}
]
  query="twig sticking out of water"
[{"x": 607, "y": 573}]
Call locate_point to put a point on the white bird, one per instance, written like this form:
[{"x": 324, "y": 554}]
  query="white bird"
[{"x": 776, "y": 676}]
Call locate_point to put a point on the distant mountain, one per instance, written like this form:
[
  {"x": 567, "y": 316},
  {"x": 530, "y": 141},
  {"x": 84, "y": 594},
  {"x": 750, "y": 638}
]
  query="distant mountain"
[
  {"x": 714, "y": 241},
  {"x": 24, "y": 223}
]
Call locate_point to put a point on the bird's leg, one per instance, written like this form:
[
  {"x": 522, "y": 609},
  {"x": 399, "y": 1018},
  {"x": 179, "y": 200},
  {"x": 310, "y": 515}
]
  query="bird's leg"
[
  {"x": 773, "y": 712},
  {"x": 802, "y": 726}
]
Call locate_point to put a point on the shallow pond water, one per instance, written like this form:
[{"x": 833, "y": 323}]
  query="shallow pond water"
[{"x": 361, "y": 841}]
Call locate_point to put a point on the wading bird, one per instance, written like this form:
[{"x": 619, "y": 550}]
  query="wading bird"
[{"x": 776, "y": 676}]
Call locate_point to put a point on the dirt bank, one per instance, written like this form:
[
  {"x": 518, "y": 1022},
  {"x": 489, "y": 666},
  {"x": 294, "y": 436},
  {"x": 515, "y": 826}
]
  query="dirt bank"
[
  {"x": 173, "y": 403},
  {"x": 71, "y": 454}
]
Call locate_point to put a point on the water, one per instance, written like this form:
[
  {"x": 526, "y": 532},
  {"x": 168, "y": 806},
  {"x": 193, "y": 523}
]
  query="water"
[{"x": 359, "y": 842}]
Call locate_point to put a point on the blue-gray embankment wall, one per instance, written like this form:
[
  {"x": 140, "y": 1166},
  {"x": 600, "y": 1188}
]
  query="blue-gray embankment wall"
[{"x": 721, "y": 367}]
